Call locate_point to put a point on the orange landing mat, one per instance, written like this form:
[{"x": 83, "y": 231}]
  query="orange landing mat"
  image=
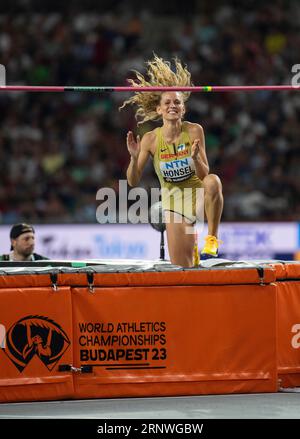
[{"x": 132, "y": 330}]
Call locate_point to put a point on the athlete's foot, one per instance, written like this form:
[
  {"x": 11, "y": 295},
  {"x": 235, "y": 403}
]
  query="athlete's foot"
[{"x": 210, "y": 249}]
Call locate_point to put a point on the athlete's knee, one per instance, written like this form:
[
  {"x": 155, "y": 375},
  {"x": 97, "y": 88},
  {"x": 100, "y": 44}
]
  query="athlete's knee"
[
  {"x": 185, "y": 262},
  {"x": 212, "y": 183}
]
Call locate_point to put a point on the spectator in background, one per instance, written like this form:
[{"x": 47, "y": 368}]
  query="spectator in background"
[
  {"x": 22, "y": 244},
  {"x": 57, "y": 150}
]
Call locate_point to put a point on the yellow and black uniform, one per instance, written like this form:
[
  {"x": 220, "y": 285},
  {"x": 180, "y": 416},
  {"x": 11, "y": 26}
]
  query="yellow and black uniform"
[{"x": 175, "y": 169}]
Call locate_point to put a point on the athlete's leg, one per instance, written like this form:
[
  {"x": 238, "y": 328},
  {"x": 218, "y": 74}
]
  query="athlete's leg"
[
  {"x": 181, "y": 239},
  {"x": 213, "y": 202}
]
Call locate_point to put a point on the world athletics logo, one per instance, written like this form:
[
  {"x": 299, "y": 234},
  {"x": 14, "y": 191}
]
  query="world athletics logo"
[{"x": 36, "y": 336}]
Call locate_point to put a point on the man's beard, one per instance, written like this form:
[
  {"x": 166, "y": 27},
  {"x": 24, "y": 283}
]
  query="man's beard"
[{"x": 26, "y": 253}]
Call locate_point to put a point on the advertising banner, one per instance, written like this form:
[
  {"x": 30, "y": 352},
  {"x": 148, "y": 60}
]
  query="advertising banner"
[
  {"x": 180, "y": 340},
  {"x": 36, "y": 335},
  {"x": 288, "y": 300},
  {"x": 240, "y": 241}
]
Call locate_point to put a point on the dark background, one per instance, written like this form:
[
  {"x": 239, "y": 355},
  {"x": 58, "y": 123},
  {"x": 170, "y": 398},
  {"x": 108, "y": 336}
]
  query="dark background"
[{"x": 57, "y": 150}]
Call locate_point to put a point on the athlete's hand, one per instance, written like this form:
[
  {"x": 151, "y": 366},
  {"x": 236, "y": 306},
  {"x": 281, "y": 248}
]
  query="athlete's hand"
[
  {"x": 133, "y": 146},
  {"x": 195, "y": 151}
]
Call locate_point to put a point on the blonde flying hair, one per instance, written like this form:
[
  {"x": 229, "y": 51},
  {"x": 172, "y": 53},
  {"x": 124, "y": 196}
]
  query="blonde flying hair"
[{"x": 159, "y": 73}]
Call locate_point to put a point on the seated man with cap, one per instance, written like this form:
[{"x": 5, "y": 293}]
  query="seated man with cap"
[{"x": 22, "y": 244}]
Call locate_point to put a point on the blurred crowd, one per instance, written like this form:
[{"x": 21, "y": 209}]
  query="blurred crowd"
[{"x": 58, "y": 149}]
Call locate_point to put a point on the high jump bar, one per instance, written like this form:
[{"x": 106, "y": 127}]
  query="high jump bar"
[{"x": 197, "y": 89}]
